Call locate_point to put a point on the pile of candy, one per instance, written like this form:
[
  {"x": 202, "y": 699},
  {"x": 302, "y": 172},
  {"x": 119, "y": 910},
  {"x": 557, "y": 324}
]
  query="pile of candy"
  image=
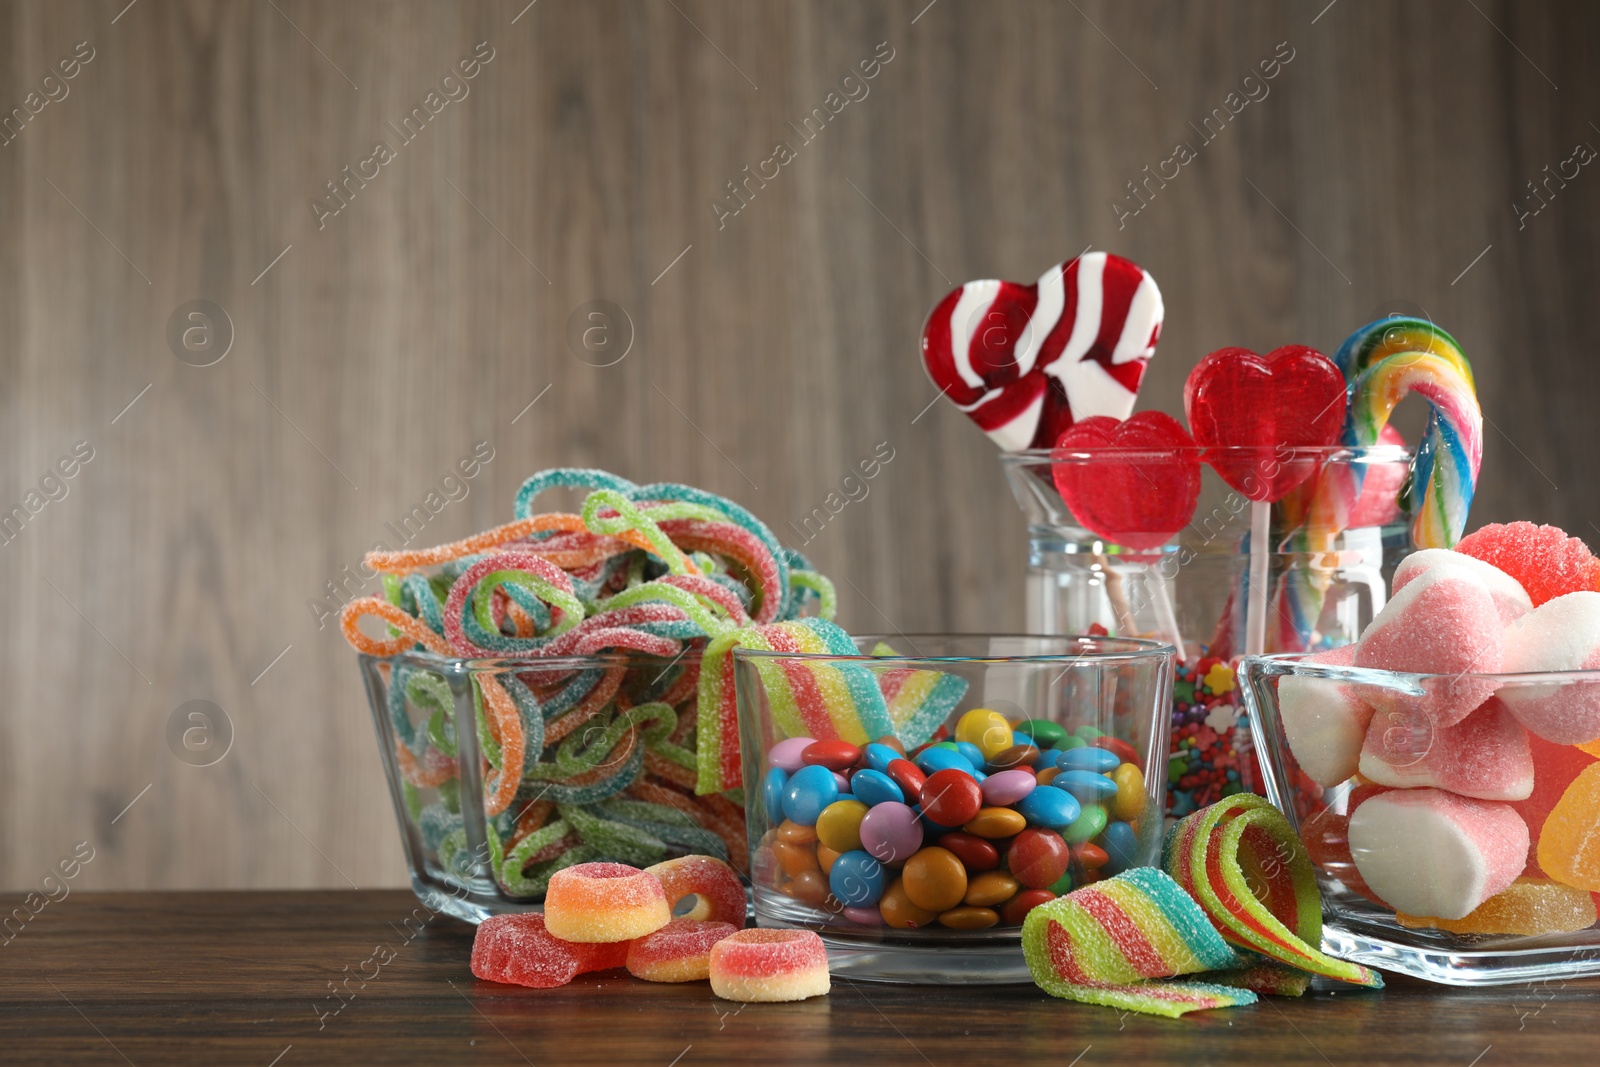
[
  {"x": 967, "y": 833},
  {"x": 1476, "y": 799},
  {"x": 600, "y": 623},
  {"x": 1212, "y": 757},
  {"x": 1237, "y": 902},
  {"x": 603, "y": 916}
]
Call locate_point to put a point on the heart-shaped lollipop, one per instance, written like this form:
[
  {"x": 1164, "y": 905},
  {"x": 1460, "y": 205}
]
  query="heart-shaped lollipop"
[
  {"x": 1249, "y": 412},
  {"x": 1026, "y": 361},
  {"x": 1142, "y": 484}
]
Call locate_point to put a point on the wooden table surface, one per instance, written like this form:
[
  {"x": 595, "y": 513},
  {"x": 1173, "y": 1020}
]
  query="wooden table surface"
[{"x": 244, "y": 978}]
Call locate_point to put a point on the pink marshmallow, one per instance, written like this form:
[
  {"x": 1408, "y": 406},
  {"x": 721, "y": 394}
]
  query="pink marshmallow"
[
  {"x": 1510, "y": 599},
  {"x": 1323, "y": 720},
  {"x": 1485, "y": 755},
  {"x": 1428, "y": 852},
  {"x": 1442, "y": 622},
  {"x": 1559, "y": 635}
]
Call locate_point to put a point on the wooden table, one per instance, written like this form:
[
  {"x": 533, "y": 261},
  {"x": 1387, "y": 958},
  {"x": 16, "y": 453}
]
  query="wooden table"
[{"x": 246, "y": 979}]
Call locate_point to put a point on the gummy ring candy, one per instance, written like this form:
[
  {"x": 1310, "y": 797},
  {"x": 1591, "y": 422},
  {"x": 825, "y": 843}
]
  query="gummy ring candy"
[
  {"x": 519, "y": 950},
  {"x": 769, "y": 965},
  {"x": 678, "y": 952},
  {"x": 719, "y": 892},
  {"x": 599, "y": 902}
]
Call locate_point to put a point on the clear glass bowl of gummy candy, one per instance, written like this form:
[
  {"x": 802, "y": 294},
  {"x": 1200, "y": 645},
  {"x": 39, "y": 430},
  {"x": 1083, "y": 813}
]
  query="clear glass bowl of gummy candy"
[
  {"x": 608, "y": 771},
  {"x": 1451, "y": 840},
  {"x": 912, "y": 802}
]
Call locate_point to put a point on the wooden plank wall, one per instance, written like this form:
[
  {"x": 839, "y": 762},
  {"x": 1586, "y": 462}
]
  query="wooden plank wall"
[{"x": 374, "y": 348}]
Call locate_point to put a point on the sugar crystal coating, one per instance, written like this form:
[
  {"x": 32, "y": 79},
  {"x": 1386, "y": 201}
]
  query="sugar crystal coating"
[
  {"x": 769, "y": 965},
  {"x": 718, "y": 889},
  {"x": 518, "y": 950},
  {"x": 1543, "y": 559},
  {"x": 600, "y": 902},
  {"x": 678, "y": 952},
  {"x": 1528, "y": 907}
]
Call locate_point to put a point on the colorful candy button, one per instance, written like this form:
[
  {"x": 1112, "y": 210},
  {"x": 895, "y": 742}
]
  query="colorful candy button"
[
  {"x": 936, "y": 758},
  {"x": 1016, "y": 909},
  {"x": 808, "y": 791},
  {"x": 1116, "y": 746},
  {"x": 951, "y": 797},
  {"x": 1048, "y": 806},
  {"x": 987, "y": 729},
  {"x": 1121, "y": 845},
  {"x": 990, "y": 888},
  {"x": 907, "y": 776},
  {"x": 856, "y": 879},
  {"x": 839, "y": 826},
  {"x": 995, "y": 823},
  {"x": 1130, "y": 792},
  {"x": 969, "y": 918},
  {"x": 1021, "y": 755},
  {"x": 1044, "y": 732},
  {"x": 898, "y": 911},
  {"x": 971, "y": 753},
  {"x": 1089, "y": 787},
  {"x": 890, "y": 832},
  {"x": 772, "y": 784},
  {"x": 789, "y": 753},
  {"x": 825, "y": 858},
  {"x": 834, "y": 755},
  {"x": 1007, "y": 787},
  {"x": 874, "y": 787},
  {"x": 974, "y": 852},
  {"x": 934, "y": 879},
  {"x": 879, "y": 756},
  {"x": 1088, "y": 758},
  {"x": 1038, "y": 858},
  {"x": 1088, "y": 825}
]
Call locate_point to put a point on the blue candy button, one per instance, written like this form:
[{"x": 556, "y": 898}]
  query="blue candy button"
[{"x": 809, "y": 790}]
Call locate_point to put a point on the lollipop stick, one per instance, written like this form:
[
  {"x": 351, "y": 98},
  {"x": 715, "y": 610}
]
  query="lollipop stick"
[
  {"x": 1117, "y": 595},
  {"x": 1255, "y": 619},
  {"x": 1166, "y": 618}
]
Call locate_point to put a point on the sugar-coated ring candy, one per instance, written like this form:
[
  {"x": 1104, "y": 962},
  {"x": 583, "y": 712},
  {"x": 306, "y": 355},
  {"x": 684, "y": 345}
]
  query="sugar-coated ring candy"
[
  {"x": 1048, "y": 806},
  {"x": 517, "y": 949},
  {"x": 772, "y": 786},
  {"x": 967, "y": 917},
  {"x": 1044, "y": 732},
  {"x": 1130, "y": 792},
  {"x": 719, "y": 893},
  {"x": 835, "y": 755},
  {"x": 995, "y": 823},
  {"x": 678, "y": 952},
  {"x": 1088, "y": 825},
  {"x": 880, "y": 755},
  {"x": 769, "y": 965},
  {"x": 890, "y": 832},
  {"x": 856, "y": 879},
  {"x": 789, "y": 753},
  {"x": 934, "y": 879},
  {"x": 975, "y": 853},
  {"x": 1088, "y": 758},
  {"x": 1015, "y": 910},
  {"x": 602, "y": 902},
  {"x": 839, "y": 825},
  {"x": 907, "y": 775},
  {"x": 825, "y": 858},
  {"x": 951, "y": 797},
  {"x": 990, "y": 889},
  {"x": 937, "y": 758},
  {"x": 874, "y": 787},
  {"x": 899, "y": 912},
  {"x": 809, "y": 790},
  {"x": 1038, "y": 858},
  {"x": 987, "y": 729},
  {"x": 1121, "y": 845},
  {"x": 1089, "y": 787}
]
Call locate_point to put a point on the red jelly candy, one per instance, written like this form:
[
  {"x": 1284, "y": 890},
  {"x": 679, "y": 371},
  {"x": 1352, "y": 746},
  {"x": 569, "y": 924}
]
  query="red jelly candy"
[
  {"x": 518, "y": 950},
  {"x": 1554, "y": 768},
  {"x": 1038, "y": 858},
  {"x": 837, "y": 756},
  {"x": 974, "y": 852},
  {"x": 950, "y": 797},
  {"x": 1544, "y": 559},
  {"x": 1244, "y": 409},
  {"x": 1140, "y": 499}
]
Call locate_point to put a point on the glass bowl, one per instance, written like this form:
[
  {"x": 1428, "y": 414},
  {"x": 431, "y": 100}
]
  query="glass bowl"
[
  {"x": 1450, "y": 808},
  {"x": 612, "y": 780},
  {"x": 914, "y": 871},
  {"x": 1183, "y": 588}
]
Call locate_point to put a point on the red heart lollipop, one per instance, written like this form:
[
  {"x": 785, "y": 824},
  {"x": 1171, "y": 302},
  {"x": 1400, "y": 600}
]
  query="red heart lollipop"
[
  {"x": 1025, "y": 361},
  {"x": 1248, "y": 410},
  {"x": 1141, "y": 498}
]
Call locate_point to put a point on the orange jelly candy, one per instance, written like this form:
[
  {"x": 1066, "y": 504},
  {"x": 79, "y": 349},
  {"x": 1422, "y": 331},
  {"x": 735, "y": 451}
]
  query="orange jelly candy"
[
  {"x": 1529, "y": 906},
  {"x": 1569, "y": 844}
]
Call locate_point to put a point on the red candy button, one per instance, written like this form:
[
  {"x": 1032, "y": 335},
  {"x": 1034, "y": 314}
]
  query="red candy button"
[
  {"x": 907, "y": 775},
  {"x": 1292, "y": 397},
  {"x": 1016, "y": 909},
  {"x": 837, "y": 756},
  {"x": 1038, "y": 858},
  {"x": 1139, "y": 499},
  {"x": 972, "y": 850},
  {"x": 951, "y": 797}
]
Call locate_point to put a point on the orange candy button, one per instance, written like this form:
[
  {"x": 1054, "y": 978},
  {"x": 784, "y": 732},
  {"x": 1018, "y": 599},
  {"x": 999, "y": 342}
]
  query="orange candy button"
[
  {"x": 898, "y": 911},
  {"x": 967, "y": 918},
  {"x": 995, "y": 823},
  {"x": 990, "y": 888},
  {"x": 934, "y": 879}
]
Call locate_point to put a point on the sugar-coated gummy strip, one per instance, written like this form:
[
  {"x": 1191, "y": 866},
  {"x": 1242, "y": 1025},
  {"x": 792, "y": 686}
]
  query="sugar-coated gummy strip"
[
  {"x": 566, "y": 478},
  {"x": 735, "y": 512},
  {"x": 632, "y": 520},
  {"x": 413, "y": 631}
]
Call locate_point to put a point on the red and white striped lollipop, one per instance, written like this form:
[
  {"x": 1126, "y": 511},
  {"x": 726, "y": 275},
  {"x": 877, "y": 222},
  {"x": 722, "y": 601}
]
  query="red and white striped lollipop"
[{"x": 1027, "y": 361}]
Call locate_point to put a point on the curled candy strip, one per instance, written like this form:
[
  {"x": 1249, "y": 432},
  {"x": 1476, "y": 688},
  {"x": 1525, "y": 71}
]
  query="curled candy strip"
[{"x": 413, "y": 631}]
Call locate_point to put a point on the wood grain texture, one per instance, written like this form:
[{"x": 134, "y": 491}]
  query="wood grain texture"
[
  {"x": 772, "y": 351},
  {"x": 210, "y": 978}
]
